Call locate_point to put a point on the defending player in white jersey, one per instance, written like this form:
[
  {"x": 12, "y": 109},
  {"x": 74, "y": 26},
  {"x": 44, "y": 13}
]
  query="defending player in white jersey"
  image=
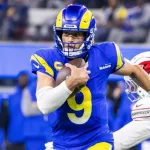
[{"x": 137, "y": 130}]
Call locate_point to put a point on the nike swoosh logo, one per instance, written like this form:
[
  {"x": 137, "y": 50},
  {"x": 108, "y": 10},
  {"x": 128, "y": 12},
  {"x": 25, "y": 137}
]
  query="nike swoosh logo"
[
  {"x": 36, "y": 66},
  {"x": 139, "y": 105}
]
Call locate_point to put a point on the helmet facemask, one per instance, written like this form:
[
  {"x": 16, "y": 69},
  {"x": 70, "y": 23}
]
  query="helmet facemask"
[
  {"x": 134, "y": 91},
  {"x": 69, "y": 48}
]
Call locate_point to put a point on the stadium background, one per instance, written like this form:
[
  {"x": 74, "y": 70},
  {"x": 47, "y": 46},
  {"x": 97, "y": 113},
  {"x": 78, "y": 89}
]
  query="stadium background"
[{"x": 26, "y": 26}]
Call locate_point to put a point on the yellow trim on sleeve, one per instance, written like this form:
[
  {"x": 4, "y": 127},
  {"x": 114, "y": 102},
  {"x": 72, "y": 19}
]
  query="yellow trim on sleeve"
[
  {"x": 42, "y": 62},
  {"x": 101, "y": 146},
  {"x": 33, "y": 58},
  {"x": 86, "y": 19},
  {"x": 119, "y": 58}
]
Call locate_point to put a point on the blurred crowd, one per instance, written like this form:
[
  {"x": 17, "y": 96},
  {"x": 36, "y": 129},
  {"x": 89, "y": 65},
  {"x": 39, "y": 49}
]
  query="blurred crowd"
[
  {"x": 22, "y": 125},
  {"x": 123, "y": 21}
]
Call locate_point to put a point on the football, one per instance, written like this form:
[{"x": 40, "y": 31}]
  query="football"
[{"x": 65, "y": 72}]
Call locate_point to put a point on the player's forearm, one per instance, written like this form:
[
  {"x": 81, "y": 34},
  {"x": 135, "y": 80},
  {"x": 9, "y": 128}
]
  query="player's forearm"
[
  {"x": 49, "y": 98},
  {"x": 141, "y": 77}
]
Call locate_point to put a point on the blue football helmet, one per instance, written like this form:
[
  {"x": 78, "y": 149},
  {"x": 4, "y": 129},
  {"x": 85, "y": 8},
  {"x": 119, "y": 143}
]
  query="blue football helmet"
[{"x": 75, "y": 18}]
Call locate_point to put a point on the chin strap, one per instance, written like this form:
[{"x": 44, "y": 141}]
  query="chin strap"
[{"x": 86, "y": 57}]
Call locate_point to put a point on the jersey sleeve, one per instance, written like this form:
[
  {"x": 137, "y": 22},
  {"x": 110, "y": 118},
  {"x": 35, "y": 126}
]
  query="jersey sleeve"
[
  {"x": 41, "y": 61},
  {"x": 115, "y": 55},
  {"x": 119, "y": 60}
]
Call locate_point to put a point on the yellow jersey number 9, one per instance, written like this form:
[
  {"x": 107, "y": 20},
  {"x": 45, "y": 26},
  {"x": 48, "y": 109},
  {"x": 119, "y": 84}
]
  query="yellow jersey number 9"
[{"x": 86, "y": 106}]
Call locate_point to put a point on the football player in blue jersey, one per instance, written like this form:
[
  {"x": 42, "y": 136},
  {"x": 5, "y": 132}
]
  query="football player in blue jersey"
[{"x": 79, "y": 122}]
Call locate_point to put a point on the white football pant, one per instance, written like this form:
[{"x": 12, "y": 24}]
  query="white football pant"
[{"x": 131, "y": 134}]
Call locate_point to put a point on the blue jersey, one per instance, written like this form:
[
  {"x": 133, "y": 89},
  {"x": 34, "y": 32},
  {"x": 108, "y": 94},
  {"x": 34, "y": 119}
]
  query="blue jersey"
[{"x": 82, "y": 120}]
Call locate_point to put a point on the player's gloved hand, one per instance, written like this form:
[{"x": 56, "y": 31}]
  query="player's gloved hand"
[
  {"x": 141, "y": 110},
  {"x": 79, "y": 76},
  {"x": 49, "y": 146}
]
